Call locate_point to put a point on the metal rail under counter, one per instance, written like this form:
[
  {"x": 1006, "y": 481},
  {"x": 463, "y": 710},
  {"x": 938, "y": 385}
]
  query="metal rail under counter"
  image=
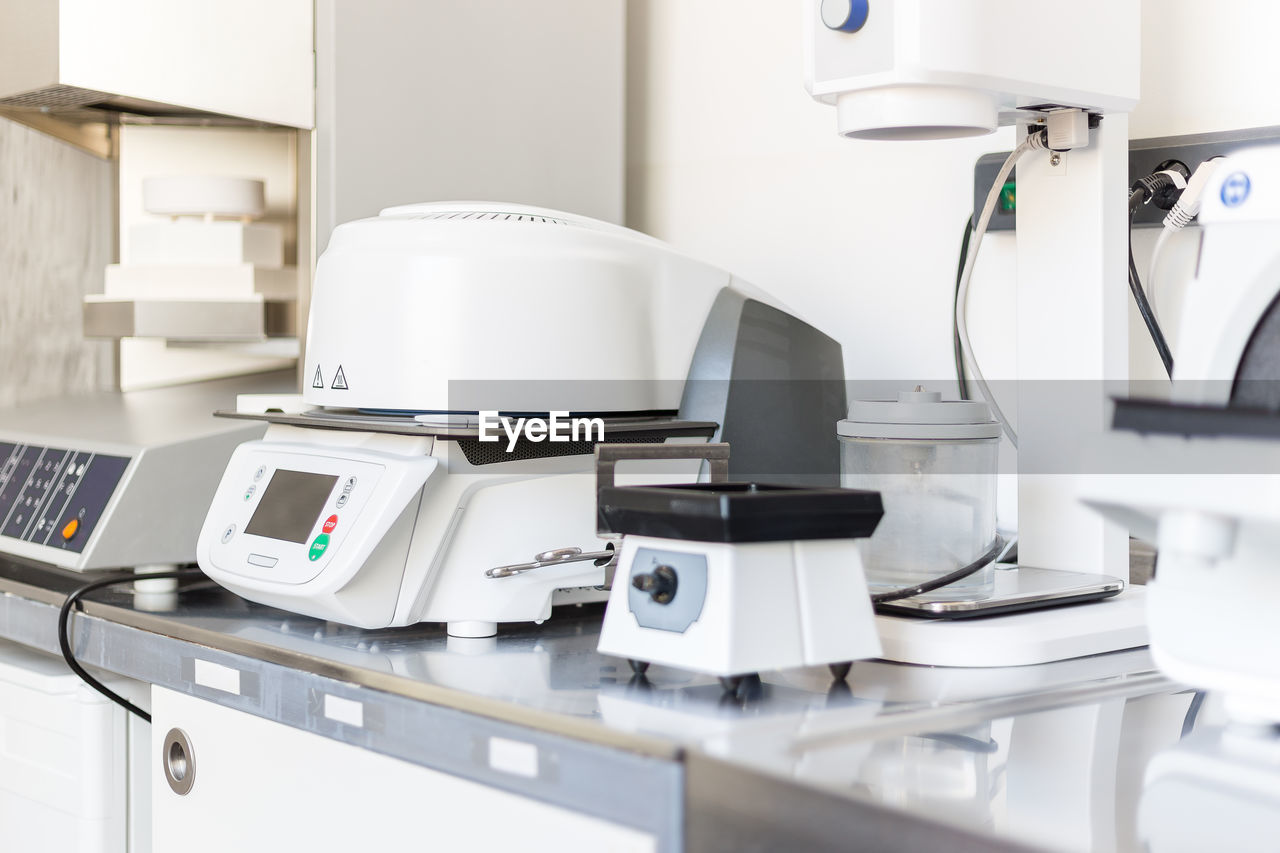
[{"x": 899, "y": 757}]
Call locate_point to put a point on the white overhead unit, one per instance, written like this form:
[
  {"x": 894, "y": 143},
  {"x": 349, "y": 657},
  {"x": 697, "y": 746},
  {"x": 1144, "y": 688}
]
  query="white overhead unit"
[{"x": 238, "y": 58}]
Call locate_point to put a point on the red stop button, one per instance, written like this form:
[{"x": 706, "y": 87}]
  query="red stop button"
[{"x": 330, "y": 523}]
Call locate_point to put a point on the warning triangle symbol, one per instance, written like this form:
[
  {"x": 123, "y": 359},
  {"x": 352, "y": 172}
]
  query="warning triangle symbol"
[
  {"x": 339, "y": 380},
  {"x": 318, "y": 382}
]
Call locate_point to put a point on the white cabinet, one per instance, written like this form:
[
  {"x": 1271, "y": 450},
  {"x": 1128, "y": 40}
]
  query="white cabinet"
[
  {"x": 255, "y": 785},
  {"x": 65, "y": 754}
]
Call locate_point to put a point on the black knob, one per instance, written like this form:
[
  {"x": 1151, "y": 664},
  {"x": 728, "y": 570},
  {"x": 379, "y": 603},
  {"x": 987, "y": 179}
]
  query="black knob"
[{"x": 660, "y": 584}]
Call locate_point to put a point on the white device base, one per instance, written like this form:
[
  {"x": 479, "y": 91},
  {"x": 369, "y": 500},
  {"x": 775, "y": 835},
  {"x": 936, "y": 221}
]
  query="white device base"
[
  {"x": 1019, "y": 639},
  {"x": 472, "y": 629},
  {"x": 150, "y": 587},
  {"x": 740, "y": 608}
]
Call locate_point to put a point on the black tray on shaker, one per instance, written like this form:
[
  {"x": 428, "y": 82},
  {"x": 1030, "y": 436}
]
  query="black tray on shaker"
[{"x": 739, "y": 512}]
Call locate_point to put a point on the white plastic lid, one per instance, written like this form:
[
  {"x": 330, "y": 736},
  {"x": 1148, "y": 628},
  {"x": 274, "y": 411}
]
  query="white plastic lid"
[
  {"x": 920, "y": 415},
  {"x": 204, "y": 195}
]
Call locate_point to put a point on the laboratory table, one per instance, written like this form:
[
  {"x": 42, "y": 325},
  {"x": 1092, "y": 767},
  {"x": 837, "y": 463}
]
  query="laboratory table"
[{"x": 898, "y": 758}]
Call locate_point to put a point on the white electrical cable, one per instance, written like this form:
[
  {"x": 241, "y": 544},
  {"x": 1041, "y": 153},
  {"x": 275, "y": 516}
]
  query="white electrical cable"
[
  {"x": 1153, "y": 272},
  {"x": 1034, "y": 140},
  {"x": 1183, "y": 212}
]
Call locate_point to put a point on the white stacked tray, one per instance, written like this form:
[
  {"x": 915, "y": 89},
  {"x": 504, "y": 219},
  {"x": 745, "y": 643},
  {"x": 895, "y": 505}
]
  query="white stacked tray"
[{"x": 208, "y": 272}]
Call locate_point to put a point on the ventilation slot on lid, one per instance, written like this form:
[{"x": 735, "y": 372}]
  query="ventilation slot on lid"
[
  {"x": 55, "y": 97},
  {"x": 489, "y": 216}
]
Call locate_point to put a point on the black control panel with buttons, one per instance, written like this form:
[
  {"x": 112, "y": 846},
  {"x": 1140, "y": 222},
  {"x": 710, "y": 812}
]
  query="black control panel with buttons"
[{"x": 53, "y": 496}]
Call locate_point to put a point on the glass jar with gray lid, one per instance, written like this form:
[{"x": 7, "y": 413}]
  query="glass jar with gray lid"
[{"x": 934, "y": 463}]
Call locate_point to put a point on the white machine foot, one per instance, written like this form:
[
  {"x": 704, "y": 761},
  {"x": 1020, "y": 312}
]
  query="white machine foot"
[
  {"x": 470, "y": 645},
  {"x": 1019, "y": 639},
  {"x": 153, "y": 587},
  {"x": 472, "y": 629}
]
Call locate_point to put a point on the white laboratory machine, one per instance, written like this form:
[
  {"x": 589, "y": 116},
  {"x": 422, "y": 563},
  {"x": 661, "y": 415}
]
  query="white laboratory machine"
[
  {"x": 111, "y": 480},
  {"x": 381, "y": 498},
  {"x": 89, "y": 483},
  {"x": 1200, "y": 476},
  {"x": 937, "y": 69},
  {"x": 1217, "y": 789},
  {"x": 733, "y": 579}
]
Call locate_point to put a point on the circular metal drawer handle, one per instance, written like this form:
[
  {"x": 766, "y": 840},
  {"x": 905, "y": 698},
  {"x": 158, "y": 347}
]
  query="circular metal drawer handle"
[{"x": 179, "y": 762}]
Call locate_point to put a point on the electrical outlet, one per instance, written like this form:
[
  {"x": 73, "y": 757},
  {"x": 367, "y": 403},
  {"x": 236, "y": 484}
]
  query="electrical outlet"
[
  {"x": 1144, "y": 156},
  {"x": 1004, "y": 217}
]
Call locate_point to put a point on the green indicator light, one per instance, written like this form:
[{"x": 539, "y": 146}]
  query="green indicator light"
[{"x": 1008, "y": 201}]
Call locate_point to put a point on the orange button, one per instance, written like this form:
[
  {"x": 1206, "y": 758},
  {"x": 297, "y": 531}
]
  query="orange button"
[{"x": 70, "y": 529}]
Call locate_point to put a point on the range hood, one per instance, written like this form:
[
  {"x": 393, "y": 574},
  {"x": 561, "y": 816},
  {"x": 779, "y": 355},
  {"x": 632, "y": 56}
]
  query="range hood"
[{"x": 241, "y": 60}]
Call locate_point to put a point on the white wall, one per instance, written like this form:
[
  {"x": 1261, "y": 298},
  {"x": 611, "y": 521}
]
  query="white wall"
[
  {"x": 1207, "y": 67},
  {"x": 56, "y": 218},
  {"x": 730, "y": 160},
  {"x": 499, "y": 100}
]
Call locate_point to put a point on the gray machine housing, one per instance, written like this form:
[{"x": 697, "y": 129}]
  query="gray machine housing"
[{"x": 776, "y": 387}]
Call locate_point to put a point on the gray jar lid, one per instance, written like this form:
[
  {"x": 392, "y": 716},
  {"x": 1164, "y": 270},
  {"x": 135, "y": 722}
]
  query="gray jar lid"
[{"x": 920, "y": 415}]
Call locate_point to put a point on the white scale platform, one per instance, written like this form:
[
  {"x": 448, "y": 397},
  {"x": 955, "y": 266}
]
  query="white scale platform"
[{"x": 1019, "y": 639}]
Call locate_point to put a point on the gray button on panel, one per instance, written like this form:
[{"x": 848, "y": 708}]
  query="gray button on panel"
[
  {"x": 257, "y": 475},
  {"x": 342, "y": 501},
  {"x": 263, "y": 561},
  {"x": 228, "y": 533}
]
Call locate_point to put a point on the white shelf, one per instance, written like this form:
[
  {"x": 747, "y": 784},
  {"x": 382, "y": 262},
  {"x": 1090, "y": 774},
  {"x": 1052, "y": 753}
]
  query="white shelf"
[{"x": 205, "y": 320}]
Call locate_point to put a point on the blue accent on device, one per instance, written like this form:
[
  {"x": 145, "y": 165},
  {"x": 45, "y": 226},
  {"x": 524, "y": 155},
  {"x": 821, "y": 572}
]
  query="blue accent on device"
[
  {"x": 857, "y": 17},
  {"x": 1235, "y": 189}
]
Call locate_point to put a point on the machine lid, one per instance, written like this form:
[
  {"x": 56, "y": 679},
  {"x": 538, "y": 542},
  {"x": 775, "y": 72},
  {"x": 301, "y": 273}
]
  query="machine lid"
[
  {"x": 1190, "y": 420},
  {"x": 453, "y": 426},
  {"x": 922, "y": 416},
  {"x": 740, "y": 512}
]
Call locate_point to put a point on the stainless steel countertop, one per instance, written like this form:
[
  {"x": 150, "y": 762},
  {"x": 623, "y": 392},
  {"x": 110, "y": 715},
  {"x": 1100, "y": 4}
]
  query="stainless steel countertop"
[{"x": 927, "y": 741}]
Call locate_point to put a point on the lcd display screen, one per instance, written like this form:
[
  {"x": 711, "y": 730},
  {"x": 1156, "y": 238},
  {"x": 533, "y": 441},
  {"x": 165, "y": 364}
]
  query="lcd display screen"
[{"x": 290, "y": 506}]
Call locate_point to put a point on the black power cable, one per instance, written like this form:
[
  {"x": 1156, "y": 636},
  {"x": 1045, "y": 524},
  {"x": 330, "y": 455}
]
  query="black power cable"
[
  {"x": 1140, "y": 296},
  {"x": 943, "y": 580},
  {"x": 64, "y": 635},
  {"x": 962, "y": 374}
]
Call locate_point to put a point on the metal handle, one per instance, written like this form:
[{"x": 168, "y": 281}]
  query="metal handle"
[
  {"x": 609, "y": 455},
  {"x": 607, "y": 458},
  {"x": 179, "y": 762},
  {"x": 555, "y": 557}
]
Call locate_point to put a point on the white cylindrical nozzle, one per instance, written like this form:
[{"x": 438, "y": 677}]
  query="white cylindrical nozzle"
[{"x": 916, "y": 112}]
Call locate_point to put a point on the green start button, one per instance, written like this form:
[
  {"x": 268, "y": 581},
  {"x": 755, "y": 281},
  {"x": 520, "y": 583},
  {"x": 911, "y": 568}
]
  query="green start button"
[{"x": 318, "y": 546}]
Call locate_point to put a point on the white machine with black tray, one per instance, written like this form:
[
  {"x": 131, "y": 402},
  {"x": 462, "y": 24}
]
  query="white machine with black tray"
[
  {"x": 733, "y": 579},
  {"x": 374, "y": 499}
]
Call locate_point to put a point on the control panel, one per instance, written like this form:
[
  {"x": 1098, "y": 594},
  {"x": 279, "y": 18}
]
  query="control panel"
[
  {"x": 284, "y": 513},
  {"x": 53, "y": 496}
]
